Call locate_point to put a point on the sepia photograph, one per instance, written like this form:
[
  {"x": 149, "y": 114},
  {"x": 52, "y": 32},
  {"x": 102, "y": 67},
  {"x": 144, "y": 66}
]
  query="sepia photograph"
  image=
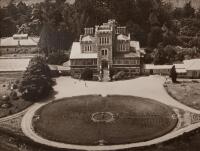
[{"x": 99, "y": 75}]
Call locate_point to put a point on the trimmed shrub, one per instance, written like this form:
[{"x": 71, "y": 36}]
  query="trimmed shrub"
[{"x": 87, "y": 74}]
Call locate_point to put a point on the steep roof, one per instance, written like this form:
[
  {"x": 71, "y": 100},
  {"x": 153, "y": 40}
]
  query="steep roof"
[
  {"x": 13, "y": 42},
  {"x": 87, "y": 38},
  {"x": 77, "y": 54}
]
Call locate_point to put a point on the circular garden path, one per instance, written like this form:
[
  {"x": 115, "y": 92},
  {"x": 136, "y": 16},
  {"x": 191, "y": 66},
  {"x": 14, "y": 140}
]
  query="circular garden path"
[{"x": 33, "y": 125}]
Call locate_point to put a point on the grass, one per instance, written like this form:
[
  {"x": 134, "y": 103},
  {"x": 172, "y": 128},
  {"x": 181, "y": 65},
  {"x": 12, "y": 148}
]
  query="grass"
[
  {"x": 186, "y": 92},
  {"x": 135, "y": 119},
  {"x": 15, "y": 105}
]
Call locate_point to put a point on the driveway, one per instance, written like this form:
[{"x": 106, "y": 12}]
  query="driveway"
[{"x": 147, "y": 87}]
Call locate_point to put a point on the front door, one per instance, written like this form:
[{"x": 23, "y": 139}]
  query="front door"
[{"x": 104, "y": 64}]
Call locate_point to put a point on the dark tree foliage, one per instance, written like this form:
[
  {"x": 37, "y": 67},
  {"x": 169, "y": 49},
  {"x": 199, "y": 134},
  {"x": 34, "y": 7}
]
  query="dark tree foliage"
[
  {"x": 165, "y": 55},
  {"x": 57, "y": 58},
  {"x": 55, "y": 34},
  {"x": 188, "y": 10},
  {"x": 173, "y": 74},
  {"x": 155, "y": 36},
  {"x": 59, "y": 24},
  {"x": 36, "y": 82},
  {"x": 13, "y": 16}
]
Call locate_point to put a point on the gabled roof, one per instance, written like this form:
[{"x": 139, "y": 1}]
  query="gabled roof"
[
  {"x": 122, "y": 37},
  {"x": 87, "y": 38},
  {"x": 77, "y": 54},
  {"x": 11, "y": 42},
  {"x": 193, "y": 64}
]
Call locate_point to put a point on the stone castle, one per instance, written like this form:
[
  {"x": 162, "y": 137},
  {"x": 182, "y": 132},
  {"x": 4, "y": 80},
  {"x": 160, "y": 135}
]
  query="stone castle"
[{"x": 104, "y": 48}]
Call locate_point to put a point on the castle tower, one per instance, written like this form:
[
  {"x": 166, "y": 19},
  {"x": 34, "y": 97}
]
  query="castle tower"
[{"x": 104, "y": 42}]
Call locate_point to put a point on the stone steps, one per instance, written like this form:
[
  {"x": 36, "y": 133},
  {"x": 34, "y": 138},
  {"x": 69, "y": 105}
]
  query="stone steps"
[{"x": 106, "y": 76}]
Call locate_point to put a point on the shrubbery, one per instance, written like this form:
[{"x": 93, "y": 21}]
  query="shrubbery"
[
  {"x": 13, "y": 95},
  {"x": 119, "y": 76},
  {"x": 36, "y": 82},
  {"x": 87, "y": 74}
]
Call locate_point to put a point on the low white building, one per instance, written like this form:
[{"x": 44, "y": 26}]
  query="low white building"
[
  {"x": 187, "y": 69},
  {"x": 19, "y": 43},
  {"x": 193, "y": 68},
  {"x": 151, "y": 69}
]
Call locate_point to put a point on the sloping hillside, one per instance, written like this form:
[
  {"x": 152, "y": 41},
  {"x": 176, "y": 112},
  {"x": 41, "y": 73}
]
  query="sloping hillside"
[
  {"x": 4, "y": 3},
  {"x": 175, "y": 3},
  {"x": 181, "y": 3}
]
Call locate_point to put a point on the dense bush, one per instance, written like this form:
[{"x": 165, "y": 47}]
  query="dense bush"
[
  {"x": 119, "y": 76},
  {"x": 112, "y": 72},
  {"x": 36, "y": 82},
  {"x": 87, "y": 74},
  {"x": 5, "y": 98},
  {"x": 13, "y": 95}
]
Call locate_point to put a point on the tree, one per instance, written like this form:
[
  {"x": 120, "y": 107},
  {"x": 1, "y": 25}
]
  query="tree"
[
  {"x": 173, "y": 74},
  {"x": 188, "y": 10},
  {"x": 57, "y": 58},
  {"x": 155, "y": 36},
  {"x": 165, "y": 55},
  {"x": 36, "y": 82}
]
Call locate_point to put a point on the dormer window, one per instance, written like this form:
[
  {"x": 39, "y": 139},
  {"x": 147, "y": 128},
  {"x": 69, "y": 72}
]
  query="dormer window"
[{"x": 87, "y": 48}]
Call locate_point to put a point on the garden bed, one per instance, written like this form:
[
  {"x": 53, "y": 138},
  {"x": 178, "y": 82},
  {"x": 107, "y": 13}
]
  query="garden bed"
[
  {"x": 186, "y": 92},
  {"x": 111, "y": 120},
  {"x": 10, "y": 106}
]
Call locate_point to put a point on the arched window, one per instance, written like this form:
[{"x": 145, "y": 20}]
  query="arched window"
[{"x": 104, "y": 52}]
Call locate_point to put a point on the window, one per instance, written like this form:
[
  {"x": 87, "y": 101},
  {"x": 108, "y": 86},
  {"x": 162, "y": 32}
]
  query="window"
[
  {"x": 104, "y": 40},
  {"x": 104, "y": 52}
]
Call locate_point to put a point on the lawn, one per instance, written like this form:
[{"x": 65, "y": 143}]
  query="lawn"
[
  {"x": 186, "y": 92},
  {"x": 15, "y": 106},
  {"x": 135, "y": 119}
]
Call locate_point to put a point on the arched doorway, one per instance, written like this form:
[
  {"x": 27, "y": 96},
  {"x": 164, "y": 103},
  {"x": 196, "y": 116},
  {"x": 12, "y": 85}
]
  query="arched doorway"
[
  {"x": 104, "y": 64},
  {"x": 151, "y": 71}
]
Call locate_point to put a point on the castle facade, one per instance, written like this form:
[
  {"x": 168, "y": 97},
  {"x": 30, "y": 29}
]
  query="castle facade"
[{"x": 104, "y": 48}]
